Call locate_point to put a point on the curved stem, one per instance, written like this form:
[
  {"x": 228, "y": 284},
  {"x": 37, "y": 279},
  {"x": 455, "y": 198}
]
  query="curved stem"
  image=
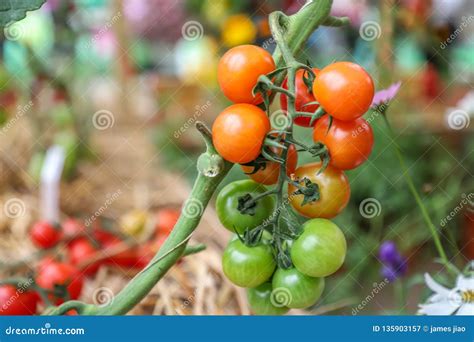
[
  {"x": 419, "y": 202},
  {"x": 80, "y": 307}
]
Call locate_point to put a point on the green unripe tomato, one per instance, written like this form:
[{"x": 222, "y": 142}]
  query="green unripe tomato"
[
  {"x": 320, "y": 250},
  {"x": 295, "y": 289},
  {"x": 261, "y": 301},
  {"x": 228, "y": 201},
  {"x": 248, "y": 266}
]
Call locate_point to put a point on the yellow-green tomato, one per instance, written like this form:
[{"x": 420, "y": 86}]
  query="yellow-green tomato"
[
  {"x": 248, "y": 266},
  {"x": 320, "y": 250},
  {"x": 262, "y": 303},
  {"x": 228, "y": 201},
  {"x": 295, "y": 289}
]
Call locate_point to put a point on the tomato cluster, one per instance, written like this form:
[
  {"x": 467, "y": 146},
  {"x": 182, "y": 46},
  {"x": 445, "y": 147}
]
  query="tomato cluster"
[
  {"x": 86, "y": 250},
  {"x": 280, "y": 261}
]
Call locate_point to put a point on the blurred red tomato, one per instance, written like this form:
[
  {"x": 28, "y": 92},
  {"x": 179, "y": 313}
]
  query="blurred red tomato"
[
  {"x": 16, "y": 301},
  {"x": 52, "y": 274},
  {"x": 165, "y": 220}
]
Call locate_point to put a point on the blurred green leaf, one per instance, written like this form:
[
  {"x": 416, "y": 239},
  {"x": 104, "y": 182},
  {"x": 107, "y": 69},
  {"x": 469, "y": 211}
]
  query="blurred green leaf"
[{"x": 16, "y": 10}]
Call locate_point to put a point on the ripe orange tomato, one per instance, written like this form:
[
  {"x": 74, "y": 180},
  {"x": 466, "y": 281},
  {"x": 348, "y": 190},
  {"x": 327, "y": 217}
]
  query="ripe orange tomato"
[
  {"x": 239, "y": 131},
  {"x": 239, "y": 70},
  {"x": 333, "y": 187},
  {"x": 303, "y": 96},
  {"x": 269, "y": 175},
  {"x": 345, "y": 90},
  {"x": 349, "y": 142}
]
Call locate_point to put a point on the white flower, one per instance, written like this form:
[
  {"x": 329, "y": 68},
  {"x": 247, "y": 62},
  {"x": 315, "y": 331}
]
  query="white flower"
[{"x": 457, "y": 301}]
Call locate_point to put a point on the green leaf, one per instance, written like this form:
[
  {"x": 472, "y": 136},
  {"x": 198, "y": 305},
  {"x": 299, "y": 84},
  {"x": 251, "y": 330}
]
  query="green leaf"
[{"x": 11, "y": 11}]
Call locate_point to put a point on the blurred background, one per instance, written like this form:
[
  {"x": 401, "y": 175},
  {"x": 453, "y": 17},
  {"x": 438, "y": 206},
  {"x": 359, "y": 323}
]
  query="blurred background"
[{"x": 120, "y": 84}]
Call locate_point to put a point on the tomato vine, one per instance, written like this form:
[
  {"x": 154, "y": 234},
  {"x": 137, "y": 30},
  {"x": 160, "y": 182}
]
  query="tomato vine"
[{"x": 290, "y": 34}]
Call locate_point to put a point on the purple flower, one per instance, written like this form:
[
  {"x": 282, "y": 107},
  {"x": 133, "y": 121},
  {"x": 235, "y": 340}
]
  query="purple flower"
[
  {"x": 385, "y": 95},
  {"x": 394, "y": 264}
]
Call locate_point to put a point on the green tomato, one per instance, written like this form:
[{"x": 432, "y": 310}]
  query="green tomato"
[
  {"x": 248, "y": 266},
  {"x": 261, "y": 301},
  {"x": 320, "y": 250},
  {"x": 295, "y": 289},
  {"x": 228, "y": 201}
]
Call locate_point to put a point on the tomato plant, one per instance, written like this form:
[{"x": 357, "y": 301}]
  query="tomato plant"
[
  {"x": 349, "y": 142},
  {"x": 261, "y": 301},
  {"x": 227, "y": 205},
  {"x": 45, "y": 235},
  {"x": 17, "y": 301},
  {"x": 333, "y": 186},
  {"x": 320, "y": 250},
  {"x": 304, "y": 97},
  {"x": 295, "y": 289},
  {"x": 272, "y": 254},
  {"x": 239, "y": 70},
  {"x": 238, "y": 132},
  {"x": 248, "y": 266},
  {"x": 344, "y": 89},
  {"x": 62, "y": 280}
]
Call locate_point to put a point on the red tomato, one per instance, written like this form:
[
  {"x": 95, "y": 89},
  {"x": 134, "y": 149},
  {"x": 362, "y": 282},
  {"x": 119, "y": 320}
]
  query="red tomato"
[
  {"x": 239, "y": 70},
  {"x": 166, "y": 218},
  {"x": 239, "y": 131},
  {"x": 73, "y": 227},
  {"x": 16, "y": 301},
  {"x": 349, "y": 142},
  {"x": 44, "y": 235},
  {"x": 269, "y": 175},
  {"x": 54, "y": 273},
  {"x": 303, "y": 96},
  {"x": 80, "y": 250},
  {"x": 334, "y": 191},
  {"x": 345, "y": 90},
  {"x": 127, "y": 259}
]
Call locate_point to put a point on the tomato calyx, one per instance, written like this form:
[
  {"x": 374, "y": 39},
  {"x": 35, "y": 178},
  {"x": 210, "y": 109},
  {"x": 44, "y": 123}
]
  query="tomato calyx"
[
  {"x": 308, "y": 189},
  {"x": 258, "y": 164}
]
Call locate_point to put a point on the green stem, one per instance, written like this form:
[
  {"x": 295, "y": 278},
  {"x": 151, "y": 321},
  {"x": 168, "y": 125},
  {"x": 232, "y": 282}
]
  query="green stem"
[{"x": 419, "y": 202}]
